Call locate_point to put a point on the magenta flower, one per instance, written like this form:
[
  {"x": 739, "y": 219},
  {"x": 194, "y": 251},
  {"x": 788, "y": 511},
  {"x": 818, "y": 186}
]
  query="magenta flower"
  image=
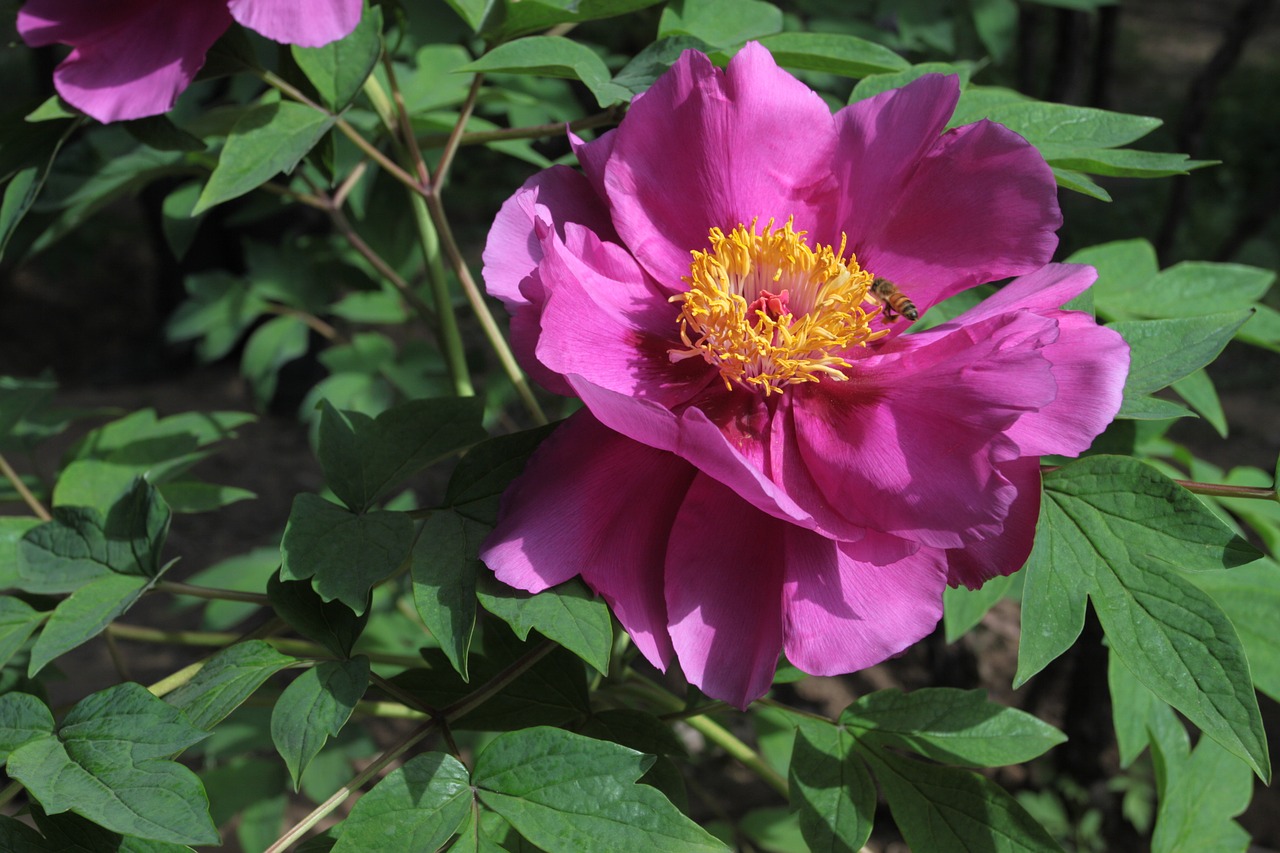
[
  {"x": 764, "y": 461},
  {"x": 132, "y": 58}
]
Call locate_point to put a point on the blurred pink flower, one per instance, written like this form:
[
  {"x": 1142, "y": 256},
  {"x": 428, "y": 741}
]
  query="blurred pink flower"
[
  {"x": 132, "y": 58},
  {"x": 764, "y": 461}
]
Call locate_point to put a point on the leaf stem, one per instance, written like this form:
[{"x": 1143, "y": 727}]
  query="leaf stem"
[
  {"x": 208, "y": 592},
  {"x": 30, "y": 499},
  {"x": 446, "y": 319},
  {"x": 534, "y": 131},
  {"x": 303, "y": 648},
  {"x": 455, "y": 136}
]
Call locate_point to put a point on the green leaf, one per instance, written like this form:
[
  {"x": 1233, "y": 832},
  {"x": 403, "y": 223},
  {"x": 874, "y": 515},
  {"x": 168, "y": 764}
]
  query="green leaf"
[
  {"x": 12, "y": 529},
  {"x": 1135, "y": 710},
  {"x": 964, "y": 608},
  {"x": 364, "y": 458},
  {"x": 876, "y": 83},
  {"x": 942, "y": 808},
  {"x": 79, "y": 545},
  {"x": 220, "y": 308},
  {"x": 314, "y": 708},
  {"x": 24, "y": 187},
  {"x": 1197, "y": 389},
  {"x": 529, "y": 16},
  {"x": 1250, "y": 596},
  {"x": 1079, "y": 182},
  {"x": 1188, "y": 289},
  {"x": 189, "y": 496},
  {"x": 562, "y": 791},
  {"x": 1049, "y": 124},
  {"x": 1116, "y": 529},
  {"x": 649, "y": 64},
  {"x": 84, "y": 615},
  {"x": 20, "y": 398},
  {"x": 271, "y": 346},
  {"x": 720, "y": 23},
  {"x": 23, "y": 719},
  {"x": 17, "y": 837},
  {"x": 159, "y": 132},
  {"x": 226, "y": 680},
  {"x": 553, "y": 56},
  {"x": 1201, "y": 796},
  {"x": 344, "y": 554},
  {"x": 570, "y": 614},
  {"x": 339, "y": 69},
  {"x": 486, "y": 470},
  {"x": 551, "y": 692},
  {"x": 832, "y": 790},
  {"x": 1164, "y": 351},
  {"x": 444, "y": 569},
  {"x": 997, "y": 24},
  {"x": 951, "y": 726},
  {"x": 108, "y": 763},
  {"x": 332, "y": 624},
  {"x": 833, "y": 53},
  {"x": 17, "y": 621},
  {"x": 1123, "y": 266},
  {"x": 416, "y": 807},
  {"x": 1122, "y": 162},
  {"x": 267, "y": 140}
]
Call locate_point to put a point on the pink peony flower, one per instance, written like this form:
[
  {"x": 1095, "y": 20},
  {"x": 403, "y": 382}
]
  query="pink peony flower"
[
  {"x": 132, "y": 58},
  {"x": 764, "y": 462}
]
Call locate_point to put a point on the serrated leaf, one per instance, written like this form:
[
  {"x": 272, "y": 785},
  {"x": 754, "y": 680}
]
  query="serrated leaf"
[
  {"x": 444, "y": 569},
  {"x": 951, "y": 726},
  {"x": 416, "y": 807},
  {"x": 1121, "y": 528},
  {"x": 108, "y": 764},
  {"x": 332, "y": 624},
  {"x": 553, "y": 56},
  {"x": 314, "y": 708},
  {"x": 833, "y": 53},
  {"x": 85, "y": 614},
  {"x": 267, "y": 140},
  {"x": 364, "y": 458},
  {"x": 941, "y": 808},
  {"x": 338, "y": 69},
  {"x": 570, "y": 614},
  {"x": 226, "y": 680},
  {"x": 832, "y": 790},
  {"x": 345, "y": 555},
  {"x": 720, "y": 23},
  {"x": 563, "y": 791}
]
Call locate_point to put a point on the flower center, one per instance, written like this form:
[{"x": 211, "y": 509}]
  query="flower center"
[{"x": 769, "y": 310}]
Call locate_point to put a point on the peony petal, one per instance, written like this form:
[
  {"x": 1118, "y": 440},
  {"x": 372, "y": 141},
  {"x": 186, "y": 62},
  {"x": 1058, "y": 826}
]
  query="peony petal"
[
  {"x": 130, "y": 59},
  {"x": 851, "y": 605},
  {"x": 724, "y": 573},
  {"x": 731, "y": 449},
  {"x": 910, "y": 445},
  {"x": 1090, "y": 362},
  {"x": 605, "y": 320},
  {"x": 594, "y": 156},
  {"x": 982, "y": 206},
  {"x": 549, "y": 200},
  {"x": 310, "y": 24},
  {"x": 705, "y": 148},
  {"x": 940, "y": 213},
  {"x": 594, "y": 502},
  {"x": 1006, "y": 552}
]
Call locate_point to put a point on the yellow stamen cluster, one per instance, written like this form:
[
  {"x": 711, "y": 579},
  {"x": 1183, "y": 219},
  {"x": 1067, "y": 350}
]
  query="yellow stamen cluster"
[{"x": 734, "y": 318}]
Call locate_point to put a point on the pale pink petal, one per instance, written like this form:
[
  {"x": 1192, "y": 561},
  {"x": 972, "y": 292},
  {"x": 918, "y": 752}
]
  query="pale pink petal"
[
  {"x": 605, "y": 320},
  {"x": 1090, "y": 362},
  {"x": 593, "y": 502},
  {"x": 851, "y": 605},
  {"x": 912, "y": 442},
  {"x": 1007, "y": 551},
  {"x": 724, "y": 573},
  {"x": 708, "y": 148},
  {"x": 310, "y": 23},
  {"x": 130, "y": 59},
  {"x": 939, "y": 214},
  {"x": 593, "y": 156}
]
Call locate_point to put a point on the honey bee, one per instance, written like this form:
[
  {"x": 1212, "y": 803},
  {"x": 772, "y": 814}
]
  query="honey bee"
[{"x": 895, "y": 302}]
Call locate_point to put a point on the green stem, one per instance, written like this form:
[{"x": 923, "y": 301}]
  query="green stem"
[
  {"x": 455, "y": 136},
  {"x": 176, "y": 588},
  {"x": 11, "y": 790},
  {"x": 30, "y": 499},
  {"x": 301, "y": 648},
  {"x": 534, "y": 131},
  {"x": 450, "y": 336}
]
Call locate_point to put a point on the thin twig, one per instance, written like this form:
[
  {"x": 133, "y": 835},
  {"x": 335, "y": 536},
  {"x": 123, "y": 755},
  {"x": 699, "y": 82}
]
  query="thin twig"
[
  {"x": 177, "y": 588},
  {"x": 313, "y": 322},
  {"x": 534, "y": 131},
  {"x": 455, "y": 136},
  {"x": 344, "y": 227},
  {"x": 31, "y": 500}
]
